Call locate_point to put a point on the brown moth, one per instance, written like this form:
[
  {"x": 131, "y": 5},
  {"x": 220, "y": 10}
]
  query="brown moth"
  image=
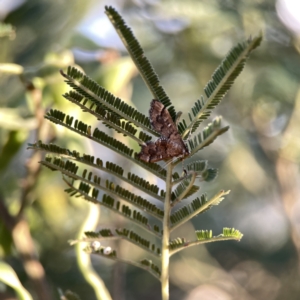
[{"x": 170, "y": 144}]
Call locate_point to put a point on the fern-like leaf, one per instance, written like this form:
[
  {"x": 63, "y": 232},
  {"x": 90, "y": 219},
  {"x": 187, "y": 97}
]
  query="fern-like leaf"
[
  {"x": 120, "y": 192},
  {"x": 149, "y": 264},
  {"x": 232, "y": 232},
  {"x": 86, "y": 192},
  {"x": 136, "y": 239},
  {"x": 199, "y": 104},
  {"x": 203, "y": 234},
  {"x": 206, "y": 236},
  {"x": 111, "y": 120},
  {"x": 111, "y": 254},
  {"x": 177, "y": 243},
  {"x": 200, "y": 167},
  {"x": 104, "y": 232},
  {"x": 185, "y": 189},
  {"x": 221, "y": 81},
  {"x": 89, "y": 160},
  {"x": 52, "y": 148},
  {"x": 91, "y": 90},
  {"x": 207, "y": 136},
  {"x": 122, "y": 233},
  {"x": 138, "y": 56},
  {"x": 197, "y": 206}
]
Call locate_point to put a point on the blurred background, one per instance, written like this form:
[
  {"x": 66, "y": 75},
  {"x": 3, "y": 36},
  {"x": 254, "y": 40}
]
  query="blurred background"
[{"x": 258, "y": 158}]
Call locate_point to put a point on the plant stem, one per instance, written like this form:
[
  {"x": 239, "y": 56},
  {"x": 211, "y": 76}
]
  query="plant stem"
[{"x": 166, "y": 236}]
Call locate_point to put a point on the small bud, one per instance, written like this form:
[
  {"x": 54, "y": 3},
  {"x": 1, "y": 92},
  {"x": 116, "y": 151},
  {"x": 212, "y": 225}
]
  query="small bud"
[
  {"x": 107, "y": 250},
  {"x": 96, "y": 245}
]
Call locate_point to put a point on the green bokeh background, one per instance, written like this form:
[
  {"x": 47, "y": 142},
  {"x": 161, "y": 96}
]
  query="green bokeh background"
[{"x": 258, "y": 159}]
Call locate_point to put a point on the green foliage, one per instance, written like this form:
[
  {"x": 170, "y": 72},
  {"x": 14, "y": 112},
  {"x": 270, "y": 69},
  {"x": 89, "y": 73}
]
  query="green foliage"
[
  {"x": 87, "y": 89},
  {"x": 138, "y": 56},
  {"x": 123, "y": 119},
  {"x": 207, "y": 136},
  {"x": 184, "y": 190},
  {"x": 221, "y": 81},
  {"x": 196, "y": 207}
]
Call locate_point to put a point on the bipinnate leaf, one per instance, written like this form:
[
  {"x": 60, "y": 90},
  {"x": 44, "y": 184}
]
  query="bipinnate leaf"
[
  {"x": 133, "y": 201},
  {"x": 196, "y": 207},
  {"x": 221, "y": 81},
  {"x": 203, "y": 237},
  {"x": 139, "y": 58},
  {"x": 90, "y": 90}
]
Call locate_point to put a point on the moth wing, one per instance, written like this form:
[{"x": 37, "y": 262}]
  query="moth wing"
[
  {"x": 176, "y": 147},
  {"x": 161, "y": 119},
  {"x": 154, "y": 151}
]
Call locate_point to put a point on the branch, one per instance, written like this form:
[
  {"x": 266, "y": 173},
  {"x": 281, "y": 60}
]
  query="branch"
[
  {"x": 196, "y": 243},
  {"x": 213, "y": 201}
]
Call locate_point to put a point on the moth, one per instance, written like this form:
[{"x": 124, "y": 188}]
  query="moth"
[{"x": 170, "y": 143}]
